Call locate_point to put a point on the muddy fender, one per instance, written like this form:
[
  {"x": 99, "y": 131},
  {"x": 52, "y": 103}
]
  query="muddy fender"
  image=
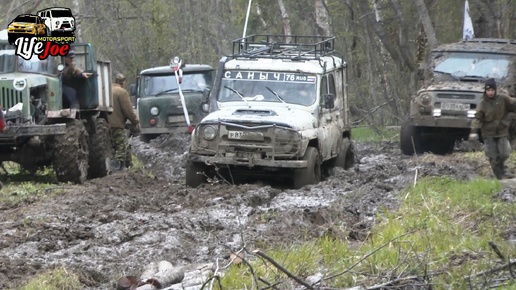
[
  {"x": 312, "y": 173},
  {"x": 70, "y": 158}
]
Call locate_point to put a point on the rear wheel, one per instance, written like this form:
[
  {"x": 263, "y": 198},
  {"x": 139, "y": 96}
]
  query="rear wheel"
[
  {"x": 312, "y": 173},
  {"x": 71, "y": 153},
  {"x": 346, "y": 157},
  {"x": 195, "y": 174},
  {"x": 100, "y": 150}
]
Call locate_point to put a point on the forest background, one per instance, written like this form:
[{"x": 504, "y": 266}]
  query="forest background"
[{"x": 384, "y": 42}]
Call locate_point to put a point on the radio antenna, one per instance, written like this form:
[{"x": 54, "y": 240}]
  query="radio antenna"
[{"x": 247, "y": 18}]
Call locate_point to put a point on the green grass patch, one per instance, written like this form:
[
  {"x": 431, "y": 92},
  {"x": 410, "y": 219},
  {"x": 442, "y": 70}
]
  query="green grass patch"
[
  {"x": 57, "y": 279},
  {"x": 367, "y": 134},
  {"x": 442, "y": 230}
]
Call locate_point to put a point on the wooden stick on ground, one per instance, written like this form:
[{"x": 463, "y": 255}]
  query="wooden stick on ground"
[{"x": 290, "y": 275}]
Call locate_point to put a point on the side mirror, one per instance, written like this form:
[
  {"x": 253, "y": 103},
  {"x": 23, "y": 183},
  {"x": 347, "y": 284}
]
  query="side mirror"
[
  {"x": 205, "y": 104},
  {"x": 60, "y": 67},
  {"x": 329, "y": 101},
  {"x": 132, "y": 89},
  {"x": 205, "y": 107}
]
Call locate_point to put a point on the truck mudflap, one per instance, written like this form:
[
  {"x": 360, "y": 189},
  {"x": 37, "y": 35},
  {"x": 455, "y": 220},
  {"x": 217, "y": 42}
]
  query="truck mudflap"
[
  {"x": 29, "y": 131},
  {"x": 249, "y": 161},
  {"x": 450, "y": 122}
]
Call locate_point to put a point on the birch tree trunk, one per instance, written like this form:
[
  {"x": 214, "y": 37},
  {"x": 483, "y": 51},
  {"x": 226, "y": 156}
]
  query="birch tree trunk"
[
  {"x": 322, "y": 19},
  {"x": 427, "y": 23},
  {"x": 76, "y": 10},
  {"x": 286, "y": 21}
]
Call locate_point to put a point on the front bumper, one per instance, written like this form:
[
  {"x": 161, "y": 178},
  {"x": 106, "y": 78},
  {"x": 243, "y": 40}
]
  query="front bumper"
[
  {"x": 248, "y": 161},
  {"x": 445, "y": 121},
  {"x": 13, "y": 132},
  {"x": 166, "y": 130}
]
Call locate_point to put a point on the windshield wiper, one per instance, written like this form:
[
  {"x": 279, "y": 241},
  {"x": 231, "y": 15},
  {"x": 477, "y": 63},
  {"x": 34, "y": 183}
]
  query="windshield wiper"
[
  {"x": 278, "y": 96},
  {"x": 166, "y": 91},
  {"x": 239, "y": 94}
]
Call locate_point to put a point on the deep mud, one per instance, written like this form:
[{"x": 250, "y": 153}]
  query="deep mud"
[{"x": 114, "y": 226}]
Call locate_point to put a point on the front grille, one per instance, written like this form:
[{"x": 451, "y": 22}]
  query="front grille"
[
  {"x": 10, "y": 97},
  {"x": 456, "y": 96}
]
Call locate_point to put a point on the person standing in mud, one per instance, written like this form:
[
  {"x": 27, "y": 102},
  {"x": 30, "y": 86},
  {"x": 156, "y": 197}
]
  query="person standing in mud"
[
  {"x": 122, "y": 111},
  {"x": 493, "y": 117}
]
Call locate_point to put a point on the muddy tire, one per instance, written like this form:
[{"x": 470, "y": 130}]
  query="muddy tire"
[
  {"x": 407, "y": 134},
  {"x": 100, "y": 150},
  {"x": 70, "y": 160},
  {"x": 193, "y": 178},
  {"x": 312, "y": 173},
  {"x": 346, "y": 157}
]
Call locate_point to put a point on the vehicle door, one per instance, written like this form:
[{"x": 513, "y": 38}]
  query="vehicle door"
[
  {"x": 87, "y": 89},
  {"x": 329, "y": 132}
]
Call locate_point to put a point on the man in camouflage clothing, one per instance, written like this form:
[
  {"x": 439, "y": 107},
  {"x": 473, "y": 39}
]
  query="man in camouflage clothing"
[
  {"x": 493, "y": 117},
  {"x": 122, "y": 111},
  {"x": 70, "y": 72}
]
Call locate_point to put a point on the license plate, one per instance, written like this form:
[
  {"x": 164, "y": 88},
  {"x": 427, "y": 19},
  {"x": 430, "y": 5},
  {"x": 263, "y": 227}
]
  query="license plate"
[
  {"x": 245, "y": 135},
  {"x": 455, "y": 106},
  {"x": 177, "y": 119}
]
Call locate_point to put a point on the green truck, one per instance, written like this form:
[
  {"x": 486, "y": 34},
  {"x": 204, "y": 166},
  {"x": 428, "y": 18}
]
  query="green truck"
[
  {"x": 40, "y": 130},
  {"x": 158, "y": 102}
]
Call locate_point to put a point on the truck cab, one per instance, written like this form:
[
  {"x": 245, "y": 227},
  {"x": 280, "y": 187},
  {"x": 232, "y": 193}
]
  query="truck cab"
[
  {"x": 158, "y": 100},
  {"x": 442, "y": 110},
  {"x": 278, "y": 107}
]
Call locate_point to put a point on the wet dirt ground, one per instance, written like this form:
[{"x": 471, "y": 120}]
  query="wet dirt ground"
[{"x": 114, "y": 226}]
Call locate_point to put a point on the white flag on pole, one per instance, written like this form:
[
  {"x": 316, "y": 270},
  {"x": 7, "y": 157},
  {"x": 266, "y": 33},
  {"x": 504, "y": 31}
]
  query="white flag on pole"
[{"x": 467, "y": 30}]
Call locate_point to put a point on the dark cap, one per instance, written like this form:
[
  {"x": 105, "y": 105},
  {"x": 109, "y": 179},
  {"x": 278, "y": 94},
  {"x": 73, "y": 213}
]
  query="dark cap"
[
  {"x": 490, "y": 84},
  {"x": 71, "y": 53}
]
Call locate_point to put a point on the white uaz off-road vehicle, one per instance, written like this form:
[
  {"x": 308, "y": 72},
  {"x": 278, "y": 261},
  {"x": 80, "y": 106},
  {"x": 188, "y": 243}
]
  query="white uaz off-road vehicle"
[
  {"x": 58, "y": 19},
  {"x": 278, "y": 107}
]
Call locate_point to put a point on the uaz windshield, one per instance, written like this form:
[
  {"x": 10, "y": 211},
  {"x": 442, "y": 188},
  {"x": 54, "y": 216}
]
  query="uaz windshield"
[
  {"x": 161, "y": 84},
  {"x": 482, "y": 65},
  {"x": 293, "y": 88}
]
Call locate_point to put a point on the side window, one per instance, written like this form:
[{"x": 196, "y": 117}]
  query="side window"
[
  {"x": 331, "y": 85},
  {"x": 323, "y": 90}
]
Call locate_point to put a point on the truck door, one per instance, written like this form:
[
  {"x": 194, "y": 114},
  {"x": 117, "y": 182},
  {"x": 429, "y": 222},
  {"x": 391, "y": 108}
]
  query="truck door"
[{"x": 87, "y": 89}]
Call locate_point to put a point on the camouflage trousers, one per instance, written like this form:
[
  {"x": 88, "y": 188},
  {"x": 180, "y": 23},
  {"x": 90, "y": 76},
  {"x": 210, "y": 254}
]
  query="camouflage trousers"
[
  {"x": 497, "y": 150},
  {"x": 120, "y": 143}
]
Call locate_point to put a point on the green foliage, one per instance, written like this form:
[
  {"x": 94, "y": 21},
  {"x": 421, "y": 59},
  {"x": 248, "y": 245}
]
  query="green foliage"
[
  {"x": 441, "y": 229},
  {"x": 57, "y": 279},
  {"x": 367, "y": 134}
]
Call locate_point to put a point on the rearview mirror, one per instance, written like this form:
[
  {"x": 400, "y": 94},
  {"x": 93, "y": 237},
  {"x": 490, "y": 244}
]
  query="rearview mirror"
[{"x": 132, "y": 89}]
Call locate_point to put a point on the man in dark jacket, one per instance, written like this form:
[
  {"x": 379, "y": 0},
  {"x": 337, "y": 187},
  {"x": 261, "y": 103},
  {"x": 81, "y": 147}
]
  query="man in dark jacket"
[
  {"x": 69, "y": 73},
  {"x": 122, "y": 111},
  {"x": 493, "y": 117}
]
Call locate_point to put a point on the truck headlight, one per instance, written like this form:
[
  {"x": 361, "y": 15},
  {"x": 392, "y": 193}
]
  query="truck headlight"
[
  {"x": 425, "y": 99},
  {"x": 154, "y": 111},
  {"x": 209, "y": 133},
  {"x": 282, "y": 136}
]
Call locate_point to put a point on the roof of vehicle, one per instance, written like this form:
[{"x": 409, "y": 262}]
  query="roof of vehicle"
[
  {"x": 188, "y": 68},
  {"x": 55, "y": 8},
  {"x": 496, "y": 45},
  {"x": 27, "y": 15},
  {"x": 296, "y": 53}
]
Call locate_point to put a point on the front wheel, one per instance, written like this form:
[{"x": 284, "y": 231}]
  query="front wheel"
[
  {"x": 71, "y": 153},
  {"x": 195, "y": 173},
  {"x": 410, "y": 140},
  {"x": 100, "y": 150},
  {"x": 312, "y": 173}
]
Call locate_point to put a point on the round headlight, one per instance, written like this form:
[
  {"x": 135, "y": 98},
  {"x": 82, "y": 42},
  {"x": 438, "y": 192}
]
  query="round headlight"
[
  {"x": 426, "y": 99},
  {"x": 154, "y": 111},
  {"x": 209, "y": 133},
  {"x": 282, "y": 136}
]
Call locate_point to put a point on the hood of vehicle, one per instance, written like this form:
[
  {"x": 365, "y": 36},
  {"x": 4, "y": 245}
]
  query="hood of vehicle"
[
  {"x": 32, "y": 79},
  {"x": 192, "y": 99},
  {"x": 264, "y": 114},
  {"x": 22, "y": 24},
  {"x": 455, "y": 86}
]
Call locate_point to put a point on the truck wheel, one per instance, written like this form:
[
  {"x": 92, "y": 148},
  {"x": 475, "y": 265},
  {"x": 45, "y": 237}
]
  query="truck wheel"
[
  {"x": 346, "y": 157},
  {"x": 442, "y": 146},
  {"x": 71, "y": 154},
  {"x": 100, "y": 150},
  {"x": 407, "y": 134},
  {"x": 312, "y": 173},
  {"x": 193, "y": 179},
  {"x": 147, "y": 137}
]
